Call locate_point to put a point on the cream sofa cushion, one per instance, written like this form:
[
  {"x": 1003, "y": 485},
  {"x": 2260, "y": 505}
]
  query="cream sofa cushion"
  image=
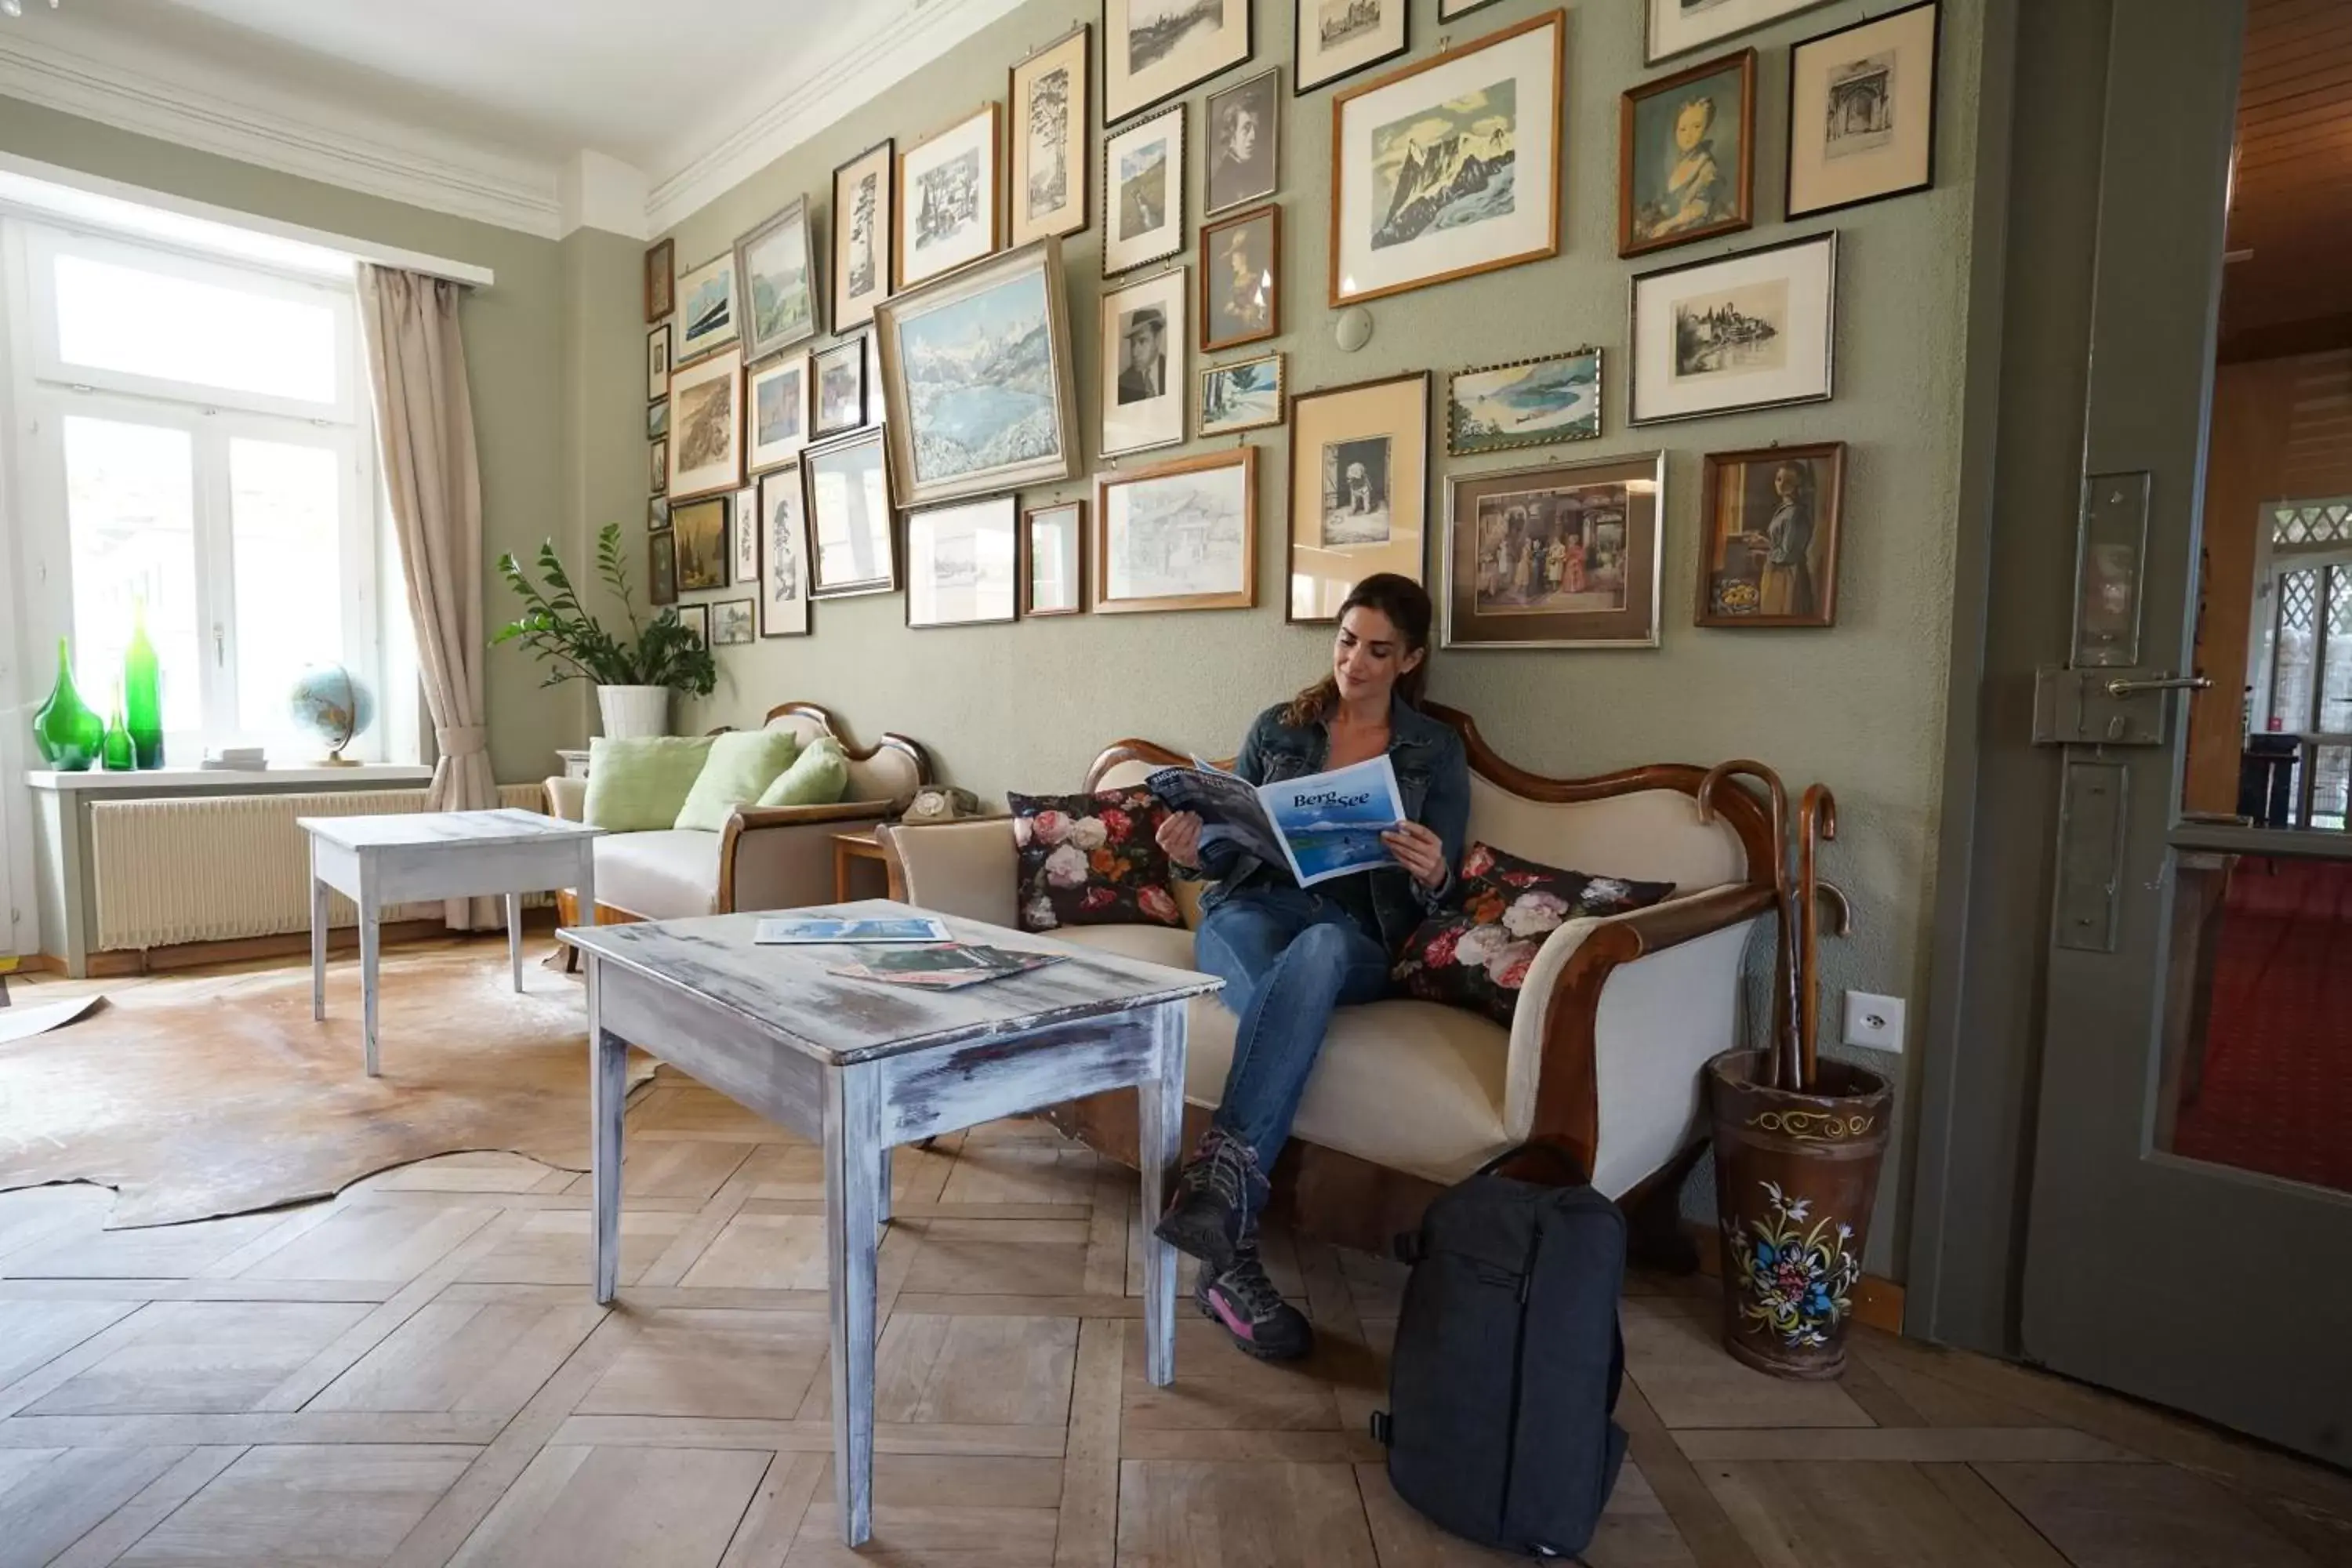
[
  {"x": 888, "y": 774},
  {"x": 664, "y": 874},
  {"x": 1410, "y": 1084}
]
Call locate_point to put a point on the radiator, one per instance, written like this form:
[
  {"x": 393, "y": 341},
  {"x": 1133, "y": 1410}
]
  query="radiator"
[{"x": 216, "y": 868}]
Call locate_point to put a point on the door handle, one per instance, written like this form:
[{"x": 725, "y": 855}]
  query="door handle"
[{"x": 2119, "y": 687}]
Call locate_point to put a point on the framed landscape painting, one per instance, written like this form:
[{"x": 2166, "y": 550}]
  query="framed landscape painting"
[
  {"x": 1563, "y": 555},
  {"x": 779, "y": 400},
  {"x": 1154, "y": 49},
  {"x": 706, "y": 437},
  {"x": 782, "y": 523},
  {"x": 1143, "y": 191},
  {"x": 1768, "y": 553},
  {"x": 977, "y": 379},
  {"x": 840, "y": 388},
  {"x": 696, "y": 618},
  {"x": 1179, "y": 535},
  {"x": 661, "y": 280},
  {"x": 775, "y": 269},
  {"x": 1755, "y": 328},
  {"x": 1527, "y": 403},
  {"x": 1053, "y": 559},
  {"x": 700, "y": 529},
  {"x": 730, "y": 622},
  {"x": 948, "y": 207},
  {"x": 1144, "y": 338},
  {"x": 852, "y": 545},
  {"x": 960, "y": 562},
  {"x": 865, "y": 216},
  {"x": 1051, "y": 107},
  {"x": 1686, "y": 156},
  {"x": 1358, "y": 489},
  {"x": 706, "y": 313},
  {"x": 1862, "y": 112},
  {"x": 661, "y": 565},
  {"x": 1677, "y": 27},
  {"x": 1243, "y": 396},
  {"x": 1339, "y": 37},
  {"x": 1449, "y": 167}
]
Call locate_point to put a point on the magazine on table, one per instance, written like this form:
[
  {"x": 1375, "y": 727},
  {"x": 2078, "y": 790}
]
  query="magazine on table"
[
  {"x": 1323, "y": 826},
  {"x": 948, "y": 967},
  {"x": 791, "y": 931}
]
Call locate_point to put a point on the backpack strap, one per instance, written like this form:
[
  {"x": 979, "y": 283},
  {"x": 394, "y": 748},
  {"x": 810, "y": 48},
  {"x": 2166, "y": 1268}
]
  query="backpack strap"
[{"x": 1561, "y": 1161}]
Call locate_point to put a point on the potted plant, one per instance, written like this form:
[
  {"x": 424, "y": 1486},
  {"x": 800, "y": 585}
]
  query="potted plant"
[{"x": 634, "y": 675}]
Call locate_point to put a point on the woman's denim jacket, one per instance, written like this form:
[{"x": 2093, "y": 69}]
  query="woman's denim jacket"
[{"x": 1433, "y": 774}]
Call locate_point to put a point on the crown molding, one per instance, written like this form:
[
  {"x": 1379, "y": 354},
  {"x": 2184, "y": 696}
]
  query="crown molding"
[
  {"x": 835, "y": 87},
  {"x": 379, "y": 158}
]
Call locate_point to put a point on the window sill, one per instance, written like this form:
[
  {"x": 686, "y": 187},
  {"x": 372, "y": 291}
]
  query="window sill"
[{"x": 170, "y": 781}]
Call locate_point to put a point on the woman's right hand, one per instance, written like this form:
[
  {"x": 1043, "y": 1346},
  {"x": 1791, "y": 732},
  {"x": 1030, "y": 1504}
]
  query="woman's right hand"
[{"x": 1180, "y": 837}]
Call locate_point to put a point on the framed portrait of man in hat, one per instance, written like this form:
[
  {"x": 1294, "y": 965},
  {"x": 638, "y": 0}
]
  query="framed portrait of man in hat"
[{"x": 1144, "y": 332}]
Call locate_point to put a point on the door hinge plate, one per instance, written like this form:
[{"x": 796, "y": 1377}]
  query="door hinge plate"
[{"x": 2090, "y": 855}]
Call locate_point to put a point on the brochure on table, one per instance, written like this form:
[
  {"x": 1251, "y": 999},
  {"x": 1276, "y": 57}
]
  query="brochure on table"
[
  {"x": 1323, "y": 826},
  {"x": 792, "y": 930}
]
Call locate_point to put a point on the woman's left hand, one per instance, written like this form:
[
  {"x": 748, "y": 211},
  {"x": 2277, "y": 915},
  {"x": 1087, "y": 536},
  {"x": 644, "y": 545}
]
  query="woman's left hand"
[{"x": 1419, "y": 851}]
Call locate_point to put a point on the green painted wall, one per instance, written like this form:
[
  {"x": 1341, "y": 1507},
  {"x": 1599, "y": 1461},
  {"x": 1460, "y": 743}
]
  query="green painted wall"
[{"x": 518, "y": 337}]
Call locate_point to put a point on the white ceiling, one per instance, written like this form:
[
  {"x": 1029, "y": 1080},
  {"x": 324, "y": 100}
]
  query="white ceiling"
[{"x": 492, "y": 97}]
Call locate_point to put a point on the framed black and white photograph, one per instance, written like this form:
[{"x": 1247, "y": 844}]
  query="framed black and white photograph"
[
  {"x": 657, "y": 513},
  {"x": 1053, "y": 559},
  {"x": 782, "y": 521},
  {"x": 730, "y": 622},
  {"x": 949, "y": 213},
  {"x": 1686, "y": 156},
  {"x": 1527, "y": 402},
  {"x": 1154, "y": 49},
  {"x": 1336, "y": 39},
  {"x": 1560, "y": 555},
  {"x": 705, "y": 310},
  {"x": 1447, "y": 10},
  {"x": 1048, "y": 171},
  {"x": 1753, "y": 329},
  {"x": 840, "y": 388},
  {"x": 1144, "y": 336},
  {"x": 657, "y": 364},
  {"x": 1240, "y": 279},
  {"x": 1678, "y": 27},
  {"x": 706, "y": 445},
  {"x": 703, "y": 557},
  {"x": 1358, "y": 489},
  {"x": 696, "y": 618},
  {"x": 1178, "y": 535},
  {"x": 977, "y": 379},
  {"x": 1246, "y": 395},
  {"x": 960, "y": 562},
  {"x": 865, "y": 216},
  {"x": 744, "y": 538},
  {"x": 661, "y": 564},
  {"x": 659, "y": 478},
  {"x": 1143, "y": 191},
  {"x": 1244, "y": 138},
  {"x": 657, "y": 418},
  {"x": 779, "y": 409},
  {"x": 1449, "y": 167},
  {"x": 775, "y": 274},
  {"x": 1862, "y": 112},
  {"x": 851, "y": 546}
]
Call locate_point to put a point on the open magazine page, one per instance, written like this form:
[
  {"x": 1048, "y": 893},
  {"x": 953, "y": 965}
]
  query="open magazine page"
[
  {"x": 1227, "y": 807},
  {"x": 1329, "y": 824}
]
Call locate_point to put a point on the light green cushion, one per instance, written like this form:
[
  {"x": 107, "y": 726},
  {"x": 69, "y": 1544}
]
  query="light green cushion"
[
  {"x": 817, "y": 777},
  {"x": 741, "y": 763},
  {"x": 637, "y": 785}
]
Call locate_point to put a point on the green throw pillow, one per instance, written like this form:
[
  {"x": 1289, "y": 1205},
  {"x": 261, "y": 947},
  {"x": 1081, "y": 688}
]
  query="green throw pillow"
[
  {"x": 817, "y": 777},
  {"x": 637, "y": 784},
  {"x": 741, "y": 765}
]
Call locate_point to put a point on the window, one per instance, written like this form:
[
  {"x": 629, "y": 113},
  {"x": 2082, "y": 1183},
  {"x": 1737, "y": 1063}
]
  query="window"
[
  {"x": 201, "y": 454},
  {"x": 2303, "y": 683}
]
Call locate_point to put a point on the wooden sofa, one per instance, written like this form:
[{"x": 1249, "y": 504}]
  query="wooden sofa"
[
  {"x": 766, "y": 858},
  {"x": 1603, "y": 1057}
]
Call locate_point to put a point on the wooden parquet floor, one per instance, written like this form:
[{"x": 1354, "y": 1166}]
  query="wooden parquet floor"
[{"x": 414, "y": 1373}]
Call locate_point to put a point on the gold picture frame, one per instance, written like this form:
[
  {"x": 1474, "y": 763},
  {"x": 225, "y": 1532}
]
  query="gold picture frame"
[
  {"x": 1050, "y": 105},
  {"x": 950, "y": 213},
  {"x": 1178, "y": 535},
  {"x": 706, "y": 430},
  {"x": 1359, "y": 489}
]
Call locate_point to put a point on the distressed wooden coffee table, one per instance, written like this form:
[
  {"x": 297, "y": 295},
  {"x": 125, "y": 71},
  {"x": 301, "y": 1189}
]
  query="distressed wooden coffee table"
[{"x": 860, "y": 1066}]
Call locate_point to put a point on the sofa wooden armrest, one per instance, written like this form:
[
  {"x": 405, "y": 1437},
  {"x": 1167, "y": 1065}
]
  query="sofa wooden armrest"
[{"x": 772, "y": 857}]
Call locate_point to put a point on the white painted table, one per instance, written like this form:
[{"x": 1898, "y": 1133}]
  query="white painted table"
[
  {"x": 415, "y": 856},
  {"x": 861, "y": 1066}
]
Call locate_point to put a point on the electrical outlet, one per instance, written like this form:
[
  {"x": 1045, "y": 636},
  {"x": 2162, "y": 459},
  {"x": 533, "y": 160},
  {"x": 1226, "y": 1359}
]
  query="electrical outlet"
[{"x": 1874, "y": 1023}]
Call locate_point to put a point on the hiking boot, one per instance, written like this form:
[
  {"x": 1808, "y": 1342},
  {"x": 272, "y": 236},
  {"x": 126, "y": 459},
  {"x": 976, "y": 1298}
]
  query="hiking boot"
[
  {"x": 1212, "y": 1214},
  {"x": 1245, "y": 1302}
]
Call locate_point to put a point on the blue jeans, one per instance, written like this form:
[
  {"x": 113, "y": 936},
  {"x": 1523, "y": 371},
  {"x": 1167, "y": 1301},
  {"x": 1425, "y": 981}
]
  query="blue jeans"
[{"x": 1287, "y": 958}]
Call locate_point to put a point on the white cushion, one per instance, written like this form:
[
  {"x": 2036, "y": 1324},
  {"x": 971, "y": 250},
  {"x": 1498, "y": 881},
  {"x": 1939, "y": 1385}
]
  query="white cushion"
[
  {"x": 1410, "y": 1084},
  {"x": 662, "y": 876},
  {"x": 1651, "y": 835}
]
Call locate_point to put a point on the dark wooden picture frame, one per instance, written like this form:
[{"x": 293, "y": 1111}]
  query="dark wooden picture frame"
[
  {"x": 700, "y": 518},
  {"x": 661, "y": 566},
  {"x": 1300, "y": 85},
  {"x": 818, "y": 428},
  {"x": 1270, "y": 214},
  {"x": 1026, "y": 564},
  {"x": 1935, "y": 101},
  {"x": 845, "y": 314},
  {"x": 1116, "y": 110},
  {"x": 661, "y": 280},
  {"x": 1629, "y": 108},
  {"x": 1809, "y": 584}
]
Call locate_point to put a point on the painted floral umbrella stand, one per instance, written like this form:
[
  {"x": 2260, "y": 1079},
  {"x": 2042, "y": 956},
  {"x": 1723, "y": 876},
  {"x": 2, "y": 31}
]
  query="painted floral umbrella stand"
[{"x": 1798, "y": 1141}]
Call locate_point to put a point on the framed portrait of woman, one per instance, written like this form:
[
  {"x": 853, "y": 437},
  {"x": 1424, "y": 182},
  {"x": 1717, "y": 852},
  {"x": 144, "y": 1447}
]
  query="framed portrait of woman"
[
  {"x": 1686, "y": 156},
  {"x": 1772, "y": 517}
]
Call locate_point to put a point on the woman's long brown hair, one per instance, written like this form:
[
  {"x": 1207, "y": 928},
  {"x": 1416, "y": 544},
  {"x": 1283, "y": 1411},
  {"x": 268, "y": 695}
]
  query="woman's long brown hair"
[{"x": 1406, "y": 604}]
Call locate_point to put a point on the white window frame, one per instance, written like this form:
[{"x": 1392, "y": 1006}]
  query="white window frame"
[{"x": 47, "y": 391}]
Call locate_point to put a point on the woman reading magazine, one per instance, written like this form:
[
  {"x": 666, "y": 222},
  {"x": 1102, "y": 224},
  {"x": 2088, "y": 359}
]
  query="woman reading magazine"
[{"x": 1289, "y": 956}]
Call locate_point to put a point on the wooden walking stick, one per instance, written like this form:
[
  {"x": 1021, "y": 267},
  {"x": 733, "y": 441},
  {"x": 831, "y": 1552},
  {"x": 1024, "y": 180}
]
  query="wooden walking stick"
[
  {"x": 1816, "y": 821},
  {"x": 1780, "y": 1060}
]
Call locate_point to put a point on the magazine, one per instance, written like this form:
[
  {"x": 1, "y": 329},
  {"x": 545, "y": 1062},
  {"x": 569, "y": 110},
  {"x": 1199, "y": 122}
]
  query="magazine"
[
  {"x": 1323, "y": 826},
  {"x": 793, "y": 930},
  {"x": 947, "y": 967}
]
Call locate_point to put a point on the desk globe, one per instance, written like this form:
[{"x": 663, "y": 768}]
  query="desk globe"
[{"x": 331, "y": 706}]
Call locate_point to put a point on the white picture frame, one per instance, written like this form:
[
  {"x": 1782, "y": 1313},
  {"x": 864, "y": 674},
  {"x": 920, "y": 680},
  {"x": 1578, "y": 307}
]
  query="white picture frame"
[
  {"x": 1756, "y": 329},
  {"x": 783, "y": 526},
  {"x": 1669, "y": 32},
  {"x": 1144, "y": 384},
  {"x": 951, "y": 210},
  {"x": 1143, "y": 191}
]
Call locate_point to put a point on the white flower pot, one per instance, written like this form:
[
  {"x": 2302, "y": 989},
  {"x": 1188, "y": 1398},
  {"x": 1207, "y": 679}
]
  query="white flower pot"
[{"x": 632, "y": 710}]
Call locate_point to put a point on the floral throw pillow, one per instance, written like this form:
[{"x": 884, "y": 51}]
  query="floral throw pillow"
[
  {"x": 1475, "y": 953},
  {"x": 1092, "y": 860}
]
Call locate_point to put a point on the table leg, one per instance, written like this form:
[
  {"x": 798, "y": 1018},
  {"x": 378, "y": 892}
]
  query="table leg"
[
  {"x": 1160, "y": 1132},
  {"x": 370, "y": 916},
  {"x": 514, "y": 937},
  {"x": 318, "y": 940},
  {"x": 583, "y": 884},
  {"x": 608, "y": 1085},
  {"x": 882, "y": 1189},
  {"x": 852, "y": 1160}
]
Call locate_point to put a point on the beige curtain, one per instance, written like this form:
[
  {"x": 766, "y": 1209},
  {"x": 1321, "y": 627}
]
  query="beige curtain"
[{"x": 425, "y": 428}]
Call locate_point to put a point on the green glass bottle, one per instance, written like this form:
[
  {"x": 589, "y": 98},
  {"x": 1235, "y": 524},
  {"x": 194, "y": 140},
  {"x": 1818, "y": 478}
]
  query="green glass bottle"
[
  {"x": 68, "y": 733},
  {"x": 143, "y": 692},
  {"x": 120, "y": 757}
]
